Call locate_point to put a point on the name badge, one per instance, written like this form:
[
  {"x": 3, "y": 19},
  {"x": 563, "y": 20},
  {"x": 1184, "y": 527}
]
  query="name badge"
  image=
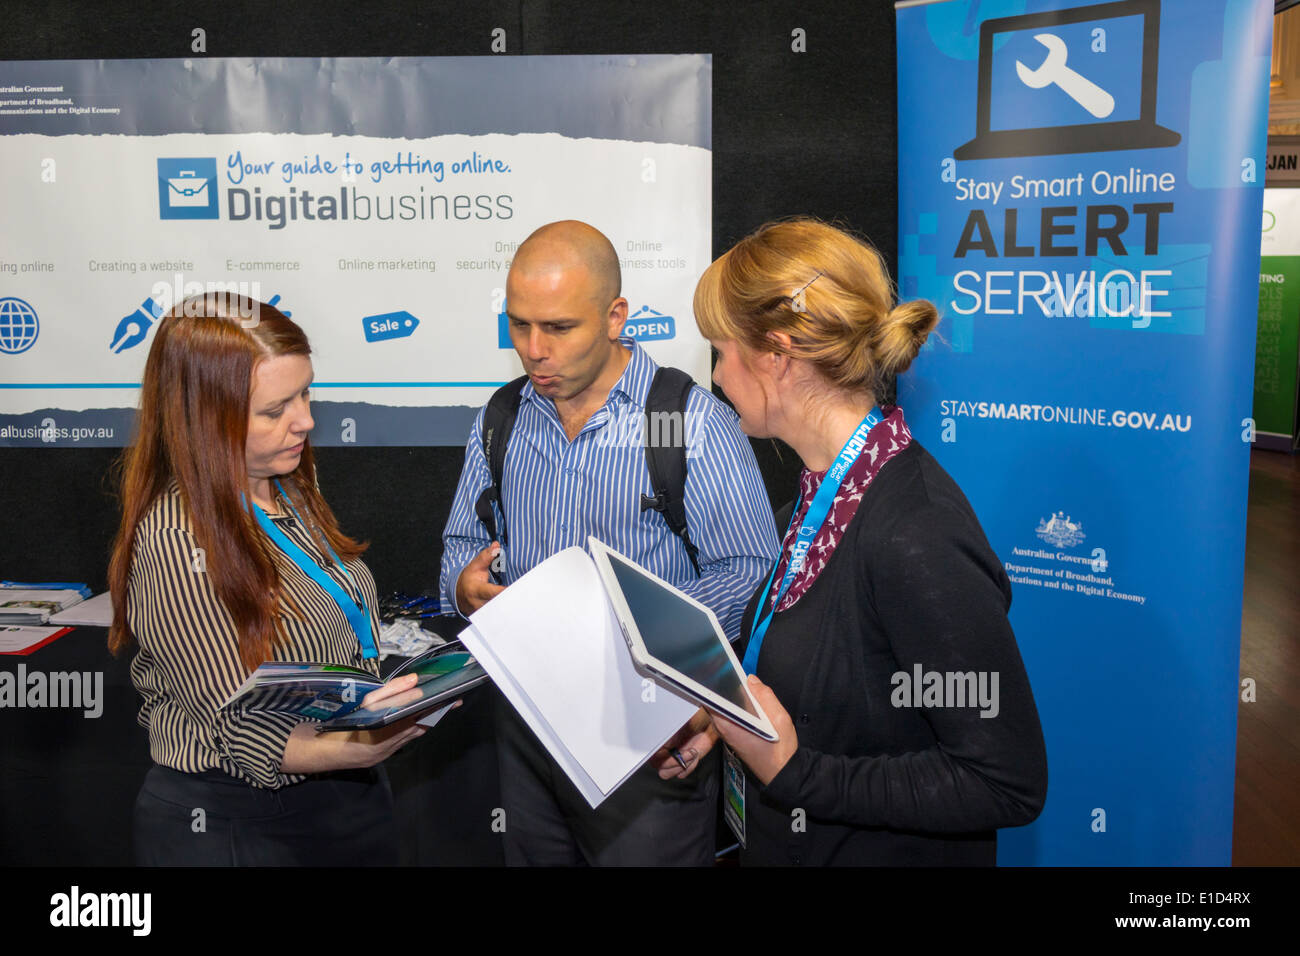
[{"x": 733, "y": 789}]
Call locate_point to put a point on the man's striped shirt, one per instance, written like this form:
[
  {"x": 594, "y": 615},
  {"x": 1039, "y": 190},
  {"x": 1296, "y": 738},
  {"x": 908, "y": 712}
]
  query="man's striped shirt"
[{"x": 556, "y": 492}]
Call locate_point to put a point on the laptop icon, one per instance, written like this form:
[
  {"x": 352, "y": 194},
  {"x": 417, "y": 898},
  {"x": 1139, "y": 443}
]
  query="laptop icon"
[{"x": 1069, "y": 81}]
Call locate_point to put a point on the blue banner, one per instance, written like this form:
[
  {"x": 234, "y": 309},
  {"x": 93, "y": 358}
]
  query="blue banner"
[{"x": 1081, "y": 189}]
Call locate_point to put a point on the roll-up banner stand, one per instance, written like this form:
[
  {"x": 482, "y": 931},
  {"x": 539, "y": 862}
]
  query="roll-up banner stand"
[{"x": 1081, "y": 190}]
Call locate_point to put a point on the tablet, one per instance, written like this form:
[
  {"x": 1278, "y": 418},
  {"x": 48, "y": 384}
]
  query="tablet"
[{"x": 676, "y": 641}]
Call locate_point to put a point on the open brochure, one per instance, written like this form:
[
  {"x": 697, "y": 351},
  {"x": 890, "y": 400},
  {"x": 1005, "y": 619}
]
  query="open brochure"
[
  {"x": 332, "y": 693},
  {"x": 606, "y": 662}
]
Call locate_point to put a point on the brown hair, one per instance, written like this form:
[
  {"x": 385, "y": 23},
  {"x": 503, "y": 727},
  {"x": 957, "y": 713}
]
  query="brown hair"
[
  {"x": 828, "y": 290},
  {"x": 192, "y": 428}
]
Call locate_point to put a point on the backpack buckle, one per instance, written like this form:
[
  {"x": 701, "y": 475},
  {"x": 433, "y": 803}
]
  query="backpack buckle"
[{"x": 657, "y": 503}]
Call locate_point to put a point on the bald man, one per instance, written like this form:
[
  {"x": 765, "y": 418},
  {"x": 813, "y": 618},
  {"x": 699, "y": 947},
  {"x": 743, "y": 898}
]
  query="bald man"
[{"x": 568, "y": 474}]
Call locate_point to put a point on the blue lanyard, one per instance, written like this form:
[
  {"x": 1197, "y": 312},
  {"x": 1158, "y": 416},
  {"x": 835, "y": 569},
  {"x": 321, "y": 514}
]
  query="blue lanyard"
[
  {"x": 358, "y": 614},
  {"x": 812, "y": 523}
]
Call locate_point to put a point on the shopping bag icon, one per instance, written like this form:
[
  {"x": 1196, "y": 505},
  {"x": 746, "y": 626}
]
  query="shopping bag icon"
[
  {"x": 187, "y": 188},
  {"x": 189, "y": 191}
]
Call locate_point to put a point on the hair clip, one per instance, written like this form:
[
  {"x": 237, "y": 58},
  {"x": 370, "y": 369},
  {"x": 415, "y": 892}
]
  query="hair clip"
[{"x": 800, "y": 290}]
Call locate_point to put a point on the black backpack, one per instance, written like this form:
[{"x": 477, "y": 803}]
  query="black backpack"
[{"x": 667, "y": 464}]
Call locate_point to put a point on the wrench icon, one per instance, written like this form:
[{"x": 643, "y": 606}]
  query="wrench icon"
[{"x": 1079, "y": 88}]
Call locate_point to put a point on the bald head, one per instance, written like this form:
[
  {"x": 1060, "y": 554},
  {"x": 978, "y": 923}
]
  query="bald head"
[{"x": 567, "y": 246}]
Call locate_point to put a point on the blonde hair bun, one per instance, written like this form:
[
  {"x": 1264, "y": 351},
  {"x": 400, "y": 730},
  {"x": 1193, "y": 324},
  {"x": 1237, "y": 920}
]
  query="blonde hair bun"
[
  {"x": 825, "y": 288},
  {"x": 903, "y": 333}
]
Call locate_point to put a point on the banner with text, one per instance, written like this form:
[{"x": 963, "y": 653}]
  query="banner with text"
[
  {"x": 375, "y": 201},
  {"x": 1277, "y": 344},
  {"x": 1080, "y": 193}
]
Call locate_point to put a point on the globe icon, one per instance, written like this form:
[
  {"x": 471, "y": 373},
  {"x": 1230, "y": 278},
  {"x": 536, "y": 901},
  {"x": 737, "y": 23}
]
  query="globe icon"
[{"x": 18, "y": 326}]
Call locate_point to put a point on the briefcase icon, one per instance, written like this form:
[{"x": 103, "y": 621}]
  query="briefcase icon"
[{"x": 187, "y": 189}]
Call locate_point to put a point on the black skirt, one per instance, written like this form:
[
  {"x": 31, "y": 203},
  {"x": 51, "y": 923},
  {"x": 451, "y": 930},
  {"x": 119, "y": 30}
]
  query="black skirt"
[{"x": 343, "y": 818}]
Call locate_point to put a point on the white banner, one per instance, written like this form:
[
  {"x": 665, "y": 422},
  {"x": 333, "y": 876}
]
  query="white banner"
[{"x": 391, "y": 251}]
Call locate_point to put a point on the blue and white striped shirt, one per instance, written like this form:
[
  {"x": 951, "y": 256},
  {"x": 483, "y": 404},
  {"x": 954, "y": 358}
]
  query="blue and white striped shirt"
[{"x": 558, "y": 492}]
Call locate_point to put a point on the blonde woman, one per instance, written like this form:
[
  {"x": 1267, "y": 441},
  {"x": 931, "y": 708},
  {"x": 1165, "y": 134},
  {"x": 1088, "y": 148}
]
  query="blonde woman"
[{"x": 885, "y": 578}]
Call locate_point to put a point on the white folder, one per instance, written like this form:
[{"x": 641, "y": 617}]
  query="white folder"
[{"x": 552, "y": 645}]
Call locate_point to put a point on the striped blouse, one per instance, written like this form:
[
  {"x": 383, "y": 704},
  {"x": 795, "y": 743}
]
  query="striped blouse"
[{"x": 188, "y": 665}]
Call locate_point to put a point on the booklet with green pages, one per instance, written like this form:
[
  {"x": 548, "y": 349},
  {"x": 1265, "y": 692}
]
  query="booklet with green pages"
[{"x": 332, "y": 693}]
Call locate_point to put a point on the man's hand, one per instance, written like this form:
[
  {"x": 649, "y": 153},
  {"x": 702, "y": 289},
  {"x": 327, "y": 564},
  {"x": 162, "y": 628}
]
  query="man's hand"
[
  {"x": 693, "y": 741},
  {"x": 474, "y": 587}
]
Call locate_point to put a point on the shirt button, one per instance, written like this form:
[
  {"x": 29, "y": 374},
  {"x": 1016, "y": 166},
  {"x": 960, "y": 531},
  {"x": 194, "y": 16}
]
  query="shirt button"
[{"x": 803, "y": 718}]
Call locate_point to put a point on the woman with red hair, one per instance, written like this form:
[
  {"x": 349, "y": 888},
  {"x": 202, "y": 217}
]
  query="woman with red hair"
[{"x": 228, "y": 556}]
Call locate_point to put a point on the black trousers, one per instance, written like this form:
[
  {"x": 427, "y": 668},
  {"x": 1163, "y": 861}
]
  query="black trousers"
[
  {"x": 211, "y": 819},
  {"x": 645, "y": 822}
]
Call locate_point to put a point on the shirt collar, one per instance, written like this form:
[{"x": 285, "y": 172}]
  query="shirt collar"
[{"x": 632, "y": 386}]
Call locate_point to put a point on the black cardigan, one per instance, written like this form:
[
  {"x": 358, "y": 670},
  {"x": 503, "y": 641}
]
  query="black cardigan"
[{"x": 913, "y": 581}]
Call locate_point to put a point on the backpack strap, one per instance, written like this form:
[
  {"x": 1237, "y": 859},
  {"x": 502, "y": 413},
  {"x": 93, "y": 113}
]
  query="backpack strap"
[
  {"x": 669, "y": 391},
  {"x": 498, "y": 422},
  {"x": 781, "y": 518}
]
